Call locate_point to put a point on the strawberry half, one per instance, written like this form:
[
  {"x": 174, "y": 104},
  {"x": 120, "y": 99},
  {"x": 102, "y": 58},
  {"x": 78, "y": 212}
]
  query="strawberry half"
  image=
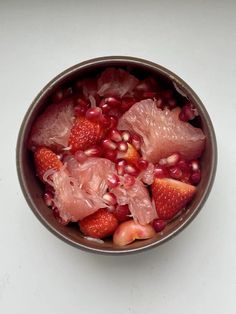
[
  {"x": 45, "y": 159},
  {"x": 171, "y": 196},
  {"x": 84, "y": 134},
  {"x": 100, "y": 225}
]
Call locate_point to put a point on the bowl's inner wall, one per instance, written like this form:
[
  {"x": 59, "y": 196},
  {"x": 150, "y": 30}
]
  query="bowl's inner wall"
[{"x": 33, "y": 189}]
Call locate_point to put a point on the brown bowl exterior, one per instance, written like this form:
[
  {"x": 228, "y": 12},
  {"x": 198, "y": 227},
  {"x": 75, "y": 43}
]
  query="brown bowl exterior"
[{"x": 32, "y": 189}]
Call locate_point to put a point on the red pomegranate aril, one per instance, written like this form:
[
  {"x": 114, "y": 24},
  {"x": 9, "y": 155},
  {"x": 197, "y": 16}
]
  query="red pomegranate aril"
[
  {"x": 79, "y": 111},
  {"x": 48, "y": 199},
  {"x": 105, "y": 120},
  {"x": 159, "y": 103},
  {"x": 115, "y": 135},
  {"x": 159, "y": 172},
  {"x": 109, "y": 198},
  {"x": 130, "y": 169},
  {"x": 175, "y": 172},
  {"x": 94, "y": 151},
  {"x": 93, "y": 113},
  {"x": 172, "y": 103},
  {"x": 113, "y": 102},
  {"x": 58, "y": 96},
  {"x": 195, "y": 178},
  {"x": 187, "y": 113},
  {"x": 183, "y": 165},
  {"x": 113, "y": 122},
  {"x": 127, "y": 103},
  {"x": 142, "y": 164},
  {"x": 122, "y": 146},
  {"x": 104, "y": 106},
  {"x": 173, "y": 159},
  {"x": 111, "y": 155},
  {"x": 109, "y": 144},
  {"x": 80, "y": 156},
  {"x": 149, "y": 94},
  {"x": 113, "y": 181},
  {"x": 126, "y": 136},
  {"x": 195, "y": 166},
  {"x": 128, "y": 180},
  {"x": 122, "y": 212},
  {"x": 136, "y": 141},
  {"x": 120, "y": 167},
  {"x": 158, "y": 224}
]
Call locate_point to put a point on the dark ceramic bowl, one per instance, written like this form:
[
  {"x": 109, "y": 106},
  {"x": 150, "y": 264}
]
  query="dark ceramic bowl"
[{"x": 32, "y": 188}]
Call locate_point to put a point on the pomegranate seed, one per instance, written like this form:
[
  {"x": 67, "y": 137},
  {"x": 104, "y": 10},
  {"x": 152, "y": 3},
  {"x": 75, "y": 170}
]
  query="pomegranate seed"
[
  {"x": 109, "y": 198},
  {"x": 130, "y": 169},
  {"x": 80, "y": 111},
  {"x": 58, "y": 95},
  {"x": 136, "y": 141},
  {"x": 109, "y": 144},
  {"x": 105, "y": 120},
  {"x": 159, "y": 172},
  {"x": 113, "y": 181},
  {"x": 48, "y": 199},
  {"x": 67, "y": 92},
  {"x": 111, "y": 155},
  {"x": 120, "y": 167},
  {"x": 80, "y": 156},
  {"x": 167, "y": 94},
  {"x": 94, "y": 151},
  {"x": 142, "y": 164},
  {"x": 122, "y": 146},
  {"x": 163, "y": 162},
  {"x": 149, "y": 94},
  {"x": 113, "y": 122},
  {"x": 93, "y": 113},
  {"x": 187, "y": 113},
  {"x": 158, "y": 224},
  {"x": 195, "y": 178},
  {"x": 115, "y": 135},
  {"x": 172, "y": 103},
  {"x": 173, "y": 159},
  {"x": 194, "y": 164},
  {"x": 175, "y": 172},
  {"x": 104, "y": 106},
  {"x": 183, "y": 165},
  {"x": 112, "y": 101},
  {"x": 126, "y": 136},
  {"x": 122, "y": 212},
  {"x": 81, "y": 103},
  {"x": 127, "y": 103},
  {"x": 128, "y": 180},
  {"x": 159, "y": 103}
]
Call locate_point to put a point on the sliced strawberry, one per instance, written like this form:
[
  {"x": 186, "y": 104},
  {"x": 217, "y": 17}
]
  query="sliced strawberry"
[
  {"x": 131, "y": 155},
  {"x": 84, "y": 134},
  {"x": 100, "y": 225},
  {"x": 171, "y": 196},
  {"x": 45, "y": 159}
]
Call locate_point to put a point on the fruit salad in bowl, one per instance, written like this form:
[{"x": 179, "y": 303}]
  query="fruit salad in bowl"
[{"x": 117, "y": 149}]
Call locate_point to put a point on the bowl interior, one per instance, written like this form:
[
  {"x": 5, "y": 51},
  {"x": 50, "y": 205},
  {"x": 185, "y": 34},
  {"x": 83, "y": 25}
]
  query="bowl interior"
[{"x": 33, "y": 189}]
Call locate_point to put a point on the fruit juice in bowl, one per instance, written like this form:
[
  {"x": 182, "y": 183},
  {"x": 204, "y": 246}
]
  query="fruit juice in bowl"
[{"x": 118, "y": 153}]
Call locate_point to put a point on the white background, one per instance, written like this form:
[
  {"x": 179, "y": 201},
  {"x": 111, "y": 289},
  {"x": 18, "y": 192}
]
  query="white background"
[{"x": 196, "y": 271}]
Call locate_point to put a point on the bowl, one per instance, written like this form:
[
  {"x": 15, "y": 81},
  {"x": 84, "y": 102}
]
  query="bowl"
[{"x": 32, "y": 189}]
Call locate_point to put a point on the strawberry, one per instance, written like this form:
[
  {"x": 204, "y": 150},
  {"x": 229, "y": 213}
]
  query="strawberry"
[
  {"x": 45, "y": 159},
  {"x": 131, "y": 155},
  {"x": 171, "y": 196},
  {"x": 84, "y": 134},
  {"x": 100, "y": 224}
]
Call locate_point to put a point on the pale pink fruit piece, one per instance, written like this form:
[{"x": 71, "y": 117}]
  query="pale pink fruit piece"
[
  {"x": 147, "y": 175},
  {"x": 52, "y": 127},
  {"x": 92, "y": 174},
  {"x": 116, "y": 83},
  {"x": 73, "y": 202},
  {"x": 129, "y": 231},
  {"x": 162, "y": 132},
  {"x": 138, "y": 200}
]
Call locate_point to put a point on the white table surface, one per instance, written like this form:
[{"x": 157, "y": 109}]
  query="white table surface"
[{"x": 196, "y": 271}]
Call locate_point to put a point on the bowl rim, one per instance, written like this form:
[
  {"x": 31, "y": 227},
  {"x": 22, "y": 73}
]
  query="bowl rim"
[{"x": 131, "y": 61}]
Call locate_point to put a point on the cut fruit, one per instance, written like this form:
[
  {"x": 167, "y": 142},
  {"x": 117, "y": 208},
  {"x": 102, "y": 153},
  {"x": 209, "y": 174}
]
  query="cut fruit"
[
  {"x": 52, "y": 127},
  {"x": 162, "y": 131}
]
